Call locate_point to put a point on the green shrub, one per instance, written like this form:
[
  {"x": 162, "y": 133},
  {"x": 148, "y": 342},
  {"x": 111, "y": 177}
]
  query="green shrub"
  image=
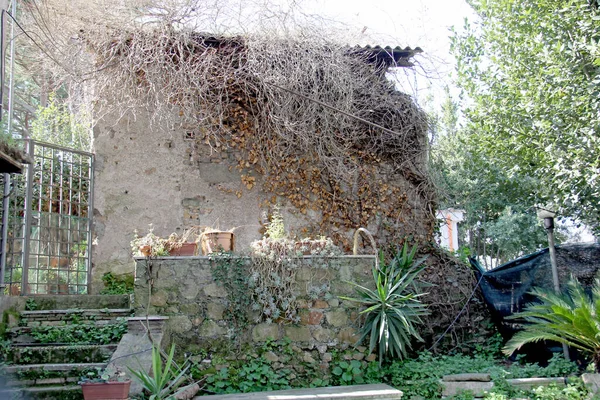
[{"x": 117, "y": 284}]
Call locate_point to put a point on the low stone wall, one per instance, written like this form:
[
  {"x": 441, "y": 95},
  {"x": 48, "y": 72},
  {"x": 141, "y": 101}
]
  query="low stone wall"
[{"x": 183, "y": 289}]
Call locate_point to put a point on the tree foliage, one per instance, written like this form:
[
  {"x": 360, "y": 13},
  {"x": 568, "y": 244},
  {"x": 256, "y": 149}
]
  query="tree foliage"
[
  {"x": 531, "y": 72},
  {"x": 500, "y": 223}
]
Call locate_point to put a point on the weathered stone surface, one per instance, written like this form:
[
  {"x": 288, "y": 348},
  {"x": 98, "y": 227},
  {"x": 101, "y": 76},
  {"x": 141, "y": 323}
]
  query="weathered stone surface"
[
  {"x": 308, "y": 358},
  {"x": 467, "y": 377},
  {"x": 298, "y": 333},
  {"x": 179, "y": 323},
  {"x": 348, "y": 335},
  {"x": 478, "y": 388},
  {"x": 323, "y": 334},
  {"x": 159, "y": 299},
  {"x": 320, "y": 304},
  {"x": 190, "y": 290},
  {"x": 333, "y": 303},
  {"x": 270, "y": 356},
  {"x": 214, "y": 290},
  {"x": 528, "y": 383},
  {"x": 337, "y": 318},
  {"x": 215, "y": 311},
  {"x": 262, "y": 332},
  {"x": 210, "y": 328},
  {"x": 324, "y": 324},
  {"x": 592, "y": 381},
  {"x": 190, "y": 309},
  {"x": 315, "y": 318}
]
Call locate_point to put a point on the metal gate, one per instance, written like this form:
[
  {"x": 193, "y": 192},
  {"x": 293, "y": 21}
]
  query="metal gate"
[{"x": 47, "y": 223}]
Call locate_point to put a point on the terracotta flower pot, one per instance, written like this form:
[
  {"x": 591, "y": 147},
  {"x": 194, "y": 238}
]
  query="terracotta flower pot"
[
  {"x": 216, "y": 241},
  {"x": 105, "y": 390},
  {"x": 146, "y": 250},
  {"x": 186, "y": 249}
]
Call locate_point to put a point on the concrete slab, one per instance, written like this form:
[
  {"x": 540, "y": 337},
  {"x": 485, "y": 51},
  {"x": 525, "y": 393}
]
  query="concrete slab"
[{"x": 363, "y": 392}]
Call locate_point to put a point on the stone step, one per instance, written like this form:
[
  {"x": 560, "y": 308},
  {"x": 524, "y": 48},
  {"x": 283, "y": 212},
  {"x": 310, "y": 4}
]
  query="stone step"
[
  {"x": 362, "y": 392},
  {"x": 71, "y": 316},
  {"x": 82, "y": 301},
  {"x": 43, "y": 354},
  {"x": 47, "y": 374},
  {"x": 71, "y": 392}
]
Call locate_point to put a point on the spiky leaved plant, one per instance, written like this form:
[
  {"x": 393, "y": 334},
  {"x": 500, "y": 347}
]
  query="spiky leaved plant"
[
  {"x": 571, "y": 317},
  {"x": 393, "y": 309}
]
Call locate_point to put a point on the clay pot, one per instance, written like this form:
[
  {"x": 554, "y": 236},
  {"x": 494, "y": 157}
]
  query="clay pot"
[
  {"x": 186, "y": 249},
  {"x": 105, "y": 390},
  {"x": 216, "y": 241},
  {"x": 146, "y": 250}
]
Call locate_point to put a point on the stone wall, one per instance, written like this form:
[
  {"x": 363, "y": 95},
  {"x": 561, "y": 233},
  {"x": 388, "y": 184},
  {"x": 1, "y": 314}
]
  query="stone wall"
[
  {"x": 184, "y": 290},
  {"x": 162, "y": 173}
]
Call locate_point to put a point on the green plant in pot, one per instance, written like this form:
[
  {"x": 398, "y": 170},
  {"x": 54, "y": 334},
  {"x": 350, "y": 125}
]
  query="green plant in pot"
[{"x": 100, "y": 385}]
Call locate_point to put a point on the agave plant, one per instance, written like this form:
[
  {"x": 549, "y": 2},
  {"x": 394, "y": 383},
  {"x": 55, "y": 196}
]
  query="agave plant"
[
  {"x": 163, "y": 382},
  {"x": 572, "y": 318},
  {"x": 393, "y": 308}
]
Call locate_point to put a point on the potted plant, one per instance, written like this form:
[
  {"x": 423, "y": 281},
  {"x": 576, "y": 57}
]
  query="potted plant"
[
  {"x": 213, "y": 240},
  {"x": 184, "y": 244},
  {"x": 100, "y": 385},
  {"x": 149, "y": 245}
]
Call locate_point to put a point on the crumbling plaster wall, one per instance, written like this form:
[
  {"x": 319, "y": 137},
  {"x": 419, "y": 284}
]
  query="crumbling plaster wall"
[{"x": 154, "y": 174}]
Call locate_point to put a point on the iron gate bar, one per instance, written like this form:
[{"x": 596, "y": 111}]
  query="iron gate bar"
[{"x": 56, "y": 233}]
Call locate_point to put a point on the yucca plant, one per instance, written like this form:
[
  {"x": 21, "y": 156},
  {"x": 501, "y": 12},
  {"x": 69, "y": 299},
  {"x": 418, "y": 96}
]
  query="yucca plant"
[
  {"x": 163, "y": 382},
  {"x": 393, "y": 308},
  {"x": 572, "y": 318}
]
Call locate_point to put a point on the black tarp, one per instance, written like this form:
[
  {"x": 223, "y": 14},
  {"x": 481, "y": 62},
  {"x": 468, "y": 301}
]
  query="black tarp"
[{"x": 506, "y": 288}]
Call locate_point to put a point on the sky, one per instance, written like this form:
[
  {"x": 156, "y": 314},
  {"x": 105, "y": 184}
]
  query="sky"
[{"x": 415, "y": 23}]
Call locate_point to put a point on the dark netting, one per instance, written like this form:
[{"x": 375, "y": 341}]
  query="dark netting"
[{"x": 506, "y": 288}]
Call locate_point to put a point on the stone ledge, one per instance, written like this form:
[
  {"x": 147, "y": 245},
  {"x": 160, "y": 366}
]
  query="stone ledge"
[{"x": 364, "y": 392}]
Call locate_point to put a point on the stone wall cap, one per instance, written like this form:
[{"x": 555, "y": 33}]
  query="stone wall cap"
[
  {"x": 149, "y": 318},
  {"x": 467, "y": 377}
]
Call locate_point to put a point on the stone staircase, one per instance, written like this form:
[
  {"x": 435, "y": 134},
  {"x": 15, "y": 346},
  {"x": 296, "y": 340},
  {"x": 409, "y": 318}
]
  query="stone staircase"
[{"x": 64, "y": 338}]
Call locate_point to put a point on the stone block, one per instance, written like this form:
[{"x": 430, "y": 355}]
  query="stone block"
[
  {"x": 189, "y": 290},
  {"x": 190, "y": 309},
  {"x": 348, "y": 335},
  {"x": 270, "y": 356},
  {"x": 323, "y": 334},
  {"x": 337, "y": 318},
  {"x": 467, "y": 377},
  {"x": 211, "y": 329},
  {"x": 477, "y": 388},
  {"x": 159, "y": 299},
  {"x": 180, "y": 323},
  {"x": 298, "y": 333},
  {"x": 202, "y": 275},
  {"x": 315, "y": 317},
  {"x": 214, "y": 290},
  {"x": 592, "y": 381},
  {"x": 529, "y": 383},
  {"x": 215, "y": 311},
  {"x": 320, "y": 304},
  {"x": 262, "y": 332},
  {"x": 334, "y": 303}
]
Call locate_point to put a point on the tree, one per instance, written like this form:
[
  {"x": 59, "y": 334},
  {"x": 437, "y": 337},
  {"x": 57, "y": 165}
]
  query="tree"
[
  {"x": 530, "y": 70},
  {"x": 570, "y": 318},
  {"x": 500, "y": 222}
]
